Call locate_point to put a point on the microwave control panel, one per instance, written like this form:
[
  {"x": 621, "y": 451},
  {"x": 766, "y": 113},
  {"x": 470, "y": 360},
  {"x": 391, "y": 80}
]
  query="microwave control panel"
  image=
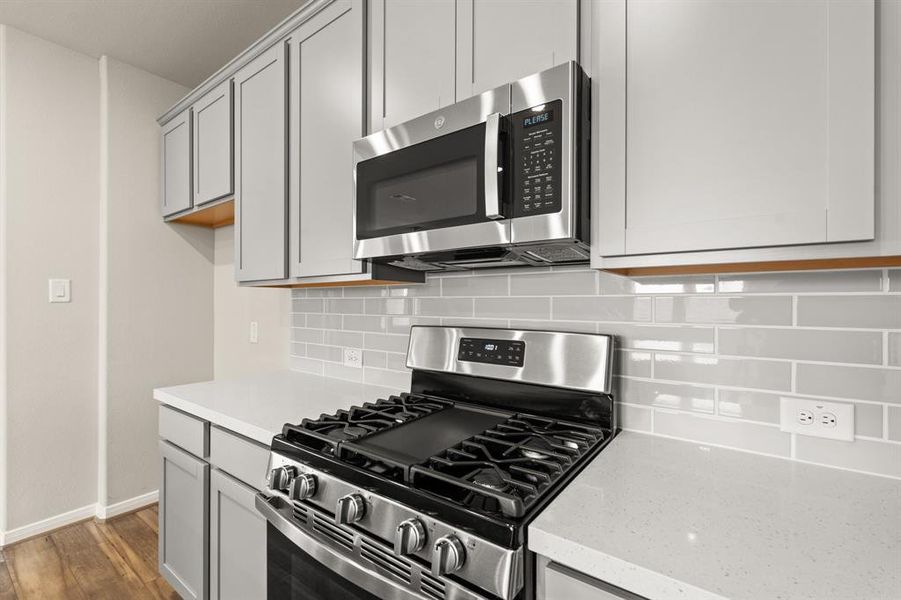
[
  {"x": 536, "y": 159},
  {"x": 493, "y": 352}
]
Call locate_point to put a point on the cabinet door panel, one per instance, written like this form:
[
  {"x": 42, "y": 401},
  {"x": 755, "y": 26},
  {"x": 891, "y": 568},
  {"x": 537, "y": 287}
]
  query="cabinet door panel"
[
  {"x": 260, "y": 185},
  {"x": 184, "y": 525},
  {"x": 327, "y": 95},
  {"x": 413, "y": 59},
  {"x": 499, "y": 41},
  {"x": 213, "y": 145},
  {"x": 735, "y": 139},
  {"x": 175, "y": 165},
  {"x": 237, "y": 541}
]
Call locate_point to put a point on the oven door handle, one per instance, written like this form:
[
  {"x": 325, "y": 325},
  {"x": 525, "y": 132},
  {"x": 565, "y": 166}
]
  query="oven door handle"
[
  {"x": 374, "y": 583},
  {"x": 492, "y": 141}
]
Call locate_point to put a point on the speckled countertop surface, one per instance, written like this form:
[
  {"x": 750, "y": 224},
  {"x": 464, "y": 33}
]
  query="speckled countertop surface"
[{"x": 671, "y": 519}]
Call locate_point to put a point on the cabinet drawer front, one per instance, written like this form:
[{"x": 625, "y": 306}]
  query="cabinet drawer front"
[
  {"x": 561, "y": 582},
  {"x": 239, "y": 457},
  {"x": 185, "y": 431}
]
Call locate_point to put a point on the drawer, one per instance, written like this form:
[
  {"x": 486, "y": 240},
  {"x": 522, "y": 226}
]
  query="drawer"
[
  {"x": 186, "y": 432},
  {"x": 240, "y": 457}
]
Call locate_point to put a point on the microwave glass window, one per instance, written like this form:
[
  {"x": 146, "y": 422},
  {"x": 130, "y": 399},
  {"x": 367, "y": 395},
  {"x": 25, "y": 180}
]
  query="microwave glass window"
[{"x": 439, "y": 192}]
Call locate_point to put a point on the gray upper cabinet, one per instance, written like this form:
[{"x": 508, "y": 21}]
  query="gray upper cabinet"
[
  {"x": 499, "y": 41},
  {"x": 213, "y": 145},
  {"x": 412, "y": 60},
  {"x": 260, "y": 166},
  {"x": 184, "y": 524},
  {"x": 725, "y": 125},
  {"x": 175, "y": 165},
  {"x": 327, "y": 103},
  {"x": 237, "y": 541}
]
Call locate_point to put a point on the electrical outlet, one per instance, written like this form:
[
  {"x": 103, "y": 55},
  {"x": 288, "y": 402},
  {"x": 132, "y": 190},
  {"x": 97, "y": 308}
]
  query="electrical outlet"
[
  {"x": 254, "y": 332},
  {"x": 353, "y": 357},
  {"x": 818, "y": 418}
]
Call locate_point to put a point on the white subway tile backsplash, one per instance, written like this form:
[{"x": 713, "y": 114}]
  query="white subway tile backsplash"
[
  {"x": 679, "y": 396},
  {"x": 883, "y": 458},
  {"x": 490, "y": 285},
  {"x": 581, "y": 308},
  {"x": 759, "y": 310},
  {"x": 699, "y": 357},
  {"x": 574, "y": 283},
  {"x": 801, "y": 282},
  {"x": 513, "y": 308},
  {"x": 755, "y": 437},
  {"x": 870, "y": 312},
  {"x": 856, "y": 383},
  {"x": 749, "y": 405},
  {"x": 803, "y": 344},
  {"x": 717, "y": 370}
]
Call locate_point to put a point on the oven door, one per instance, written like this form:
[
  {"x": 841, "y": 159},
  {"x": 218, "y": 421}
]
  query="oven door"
[
  {"x": 434, "y": 183},
  {"x": 302, "y": 567}
]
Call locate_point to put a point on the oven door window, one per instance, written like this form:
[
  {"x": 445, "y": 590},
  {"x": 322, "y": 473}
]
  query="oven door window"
[
  {"x": 295, "y": 575},
  {"x": 431, "y": 185}
]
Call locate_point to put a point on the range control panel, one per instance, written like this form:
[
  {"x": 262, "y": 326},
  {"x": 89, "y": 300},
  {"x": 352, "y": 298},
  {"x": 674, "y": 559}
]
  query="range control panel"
[
  {"x": 494, "y": 352},
  {"x": 537, "y": 155}
]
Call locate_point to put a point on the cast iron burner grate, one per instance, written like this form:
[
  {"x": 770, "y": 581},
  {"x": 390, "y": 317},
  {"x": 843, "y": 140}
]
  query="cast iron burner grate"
[
  {"x": 507, "y": 468},
  {"x": 325, "y": 433}
]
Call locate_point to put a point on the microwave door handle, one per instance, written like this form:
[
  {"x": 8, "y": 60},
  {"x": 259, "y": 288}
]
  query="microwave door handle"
[{"x": 492, "y": 137}]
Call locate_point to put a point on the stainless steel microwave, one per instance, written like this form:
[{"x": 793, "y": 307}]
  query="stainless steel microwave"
[{"x": 499, "y": 179}]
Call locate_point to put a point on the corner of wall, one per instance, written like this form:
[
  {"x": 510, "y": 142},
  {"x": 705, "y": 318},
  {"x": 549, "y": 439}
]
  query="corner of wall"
[{"x": 3, "y": 271}]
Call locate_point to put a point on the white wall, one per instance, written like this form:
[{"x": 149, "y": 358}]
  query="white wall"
[
  {"x": 158, "y": 326},
  {"x": 235, "y": 307},
  {"x": 50, "y": 120}
]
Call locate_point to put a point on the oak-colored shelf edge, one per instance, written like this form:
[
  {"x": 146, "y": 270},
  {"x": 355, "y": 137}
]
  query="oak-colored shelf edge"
[
  {"x": 214, "y": 215},
  {"x": 868, "y": 262}
]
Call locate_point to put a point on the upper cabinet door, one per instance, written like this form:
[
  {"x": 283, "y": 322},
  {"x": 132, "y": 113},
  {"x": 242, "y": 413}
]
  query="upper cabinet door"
[
  {"x": 213, "y": 145},
  {"x": 175, "y": 162},
  {"x": 260, "y": 164},
  {"x": 412, "y": 58},
  {"x": 737, "y": 124},
  {"x": 499, "y": 41},
  {"x": 327, "y": 93}
]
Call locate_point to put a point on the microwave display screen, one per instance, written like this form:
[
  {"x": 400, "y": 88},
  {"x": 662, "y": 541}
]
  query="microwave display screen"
[{"x": 537, "y": 119}]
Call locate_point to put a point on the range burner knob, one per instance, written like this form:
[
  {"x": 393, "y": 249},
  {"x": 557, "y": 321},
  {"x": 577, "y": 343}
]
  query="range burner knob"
[
  {"x": 448, "y": 555},
  {"x": 280, "y": 477},
  {"x": 302, "y": 487},
  {"x": 409, "y": 537},
  {"x": 350, "y": 509}
]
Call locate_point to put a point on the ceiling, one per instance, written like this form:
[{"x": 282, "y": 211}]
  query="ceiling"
[{"x": 184, "y": 41}]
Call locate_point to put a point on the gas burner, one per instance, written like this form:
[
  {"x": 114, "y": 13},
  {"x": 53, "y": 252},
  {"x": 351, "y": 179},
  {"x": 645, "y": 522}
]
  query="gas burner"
[
  {"x": 348, "y": 432},
  {"x": 489, "y": 478},
  {"x": 537, "y": 448}
]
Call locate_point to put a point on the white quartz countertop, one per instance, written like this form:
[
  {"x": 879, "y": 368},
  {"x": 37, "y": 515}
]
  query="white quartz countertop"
[
  {"x": 672, "y": 519},
  {"x": 257, "y": 406}
]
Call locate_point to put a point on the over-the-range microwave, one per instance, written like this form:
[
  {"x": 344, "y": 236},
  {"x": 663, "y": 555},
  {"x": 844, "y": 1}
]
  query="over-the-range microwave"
[{"x": 499, "y": 179}]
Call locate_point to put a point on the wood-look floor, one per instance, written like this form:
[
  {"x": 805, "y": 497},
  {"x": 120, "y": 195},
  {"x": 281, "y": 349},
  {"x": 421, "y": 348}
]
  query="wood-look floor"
[{"x": 112, "y": 559}]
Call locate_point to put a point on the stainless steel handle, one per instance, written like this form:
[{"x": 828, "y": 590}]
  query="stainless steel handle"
[
  {"x": 492, "y": 138},
  {"x": 345, "y": 567}
]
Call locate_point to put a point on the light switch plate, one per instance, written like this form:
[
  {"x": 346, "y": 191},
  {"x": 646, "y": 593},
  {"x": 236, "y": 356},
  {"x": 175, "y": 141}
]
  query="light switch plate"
[
  {"x": 819, "y": 418},
  {"x": 60, "y": 290}
]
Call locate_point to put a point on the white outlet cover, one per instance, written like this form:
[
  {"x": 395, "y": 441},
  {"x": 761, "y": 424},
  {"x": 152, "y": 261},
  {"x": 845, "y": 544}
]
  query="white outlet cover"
[
  {"x": 790, "y": 409},
  {"x": 353, "y": 357}
]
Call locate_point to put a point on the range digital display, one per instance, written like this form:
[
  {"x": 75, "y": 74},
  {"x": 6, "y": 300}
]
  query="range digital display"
[
  {"x": 495, "y": 352},
  {"x": 538, "y": 118}
]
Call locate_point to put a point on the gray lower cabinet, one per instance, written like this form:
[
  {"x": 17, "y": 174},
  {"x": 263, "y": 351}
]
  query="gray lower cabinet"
[
  {"x": 212, "y": 145},
  {"x": 556, "y": 582},
  {"x": 184, "y": 524},
  {"x": 175, "y": 165},
  {"x": 260, "y": 166},
  {"x": 237, "y": 541},
  {"x": 327, "y": 99}
]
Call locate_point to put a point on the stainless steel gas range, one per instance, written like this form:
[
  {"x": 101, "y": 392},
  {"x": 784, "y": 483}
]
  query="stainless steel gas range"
[{"x": 429, "y": 494}]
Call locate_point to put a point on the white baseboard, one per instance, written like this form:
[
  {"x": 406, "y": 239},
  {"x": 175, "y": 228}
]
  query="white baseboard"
[
  {"x": 33, "y": 529},
  {"x": 73, "y": 516},
  {"x": 108, "y": 512}
]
